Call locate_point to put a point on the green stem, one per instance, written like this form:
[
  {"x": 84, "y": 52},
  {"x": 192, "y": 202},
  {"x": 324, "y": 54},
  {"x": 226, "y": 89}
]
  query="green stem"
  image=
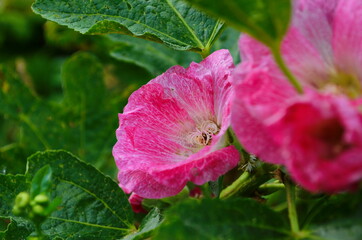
[
  {"x": 235, "y": 186},
  {"x": 39, "y": 232},
  {"x": 8, "y": 147},
  {"x": 268, "y": 188},
  {"x": 292, "y": 211},
  {"x": 247, "y": 183},
  {"x": 280, "y": 61},
  {"x": 205, "y": 52}
]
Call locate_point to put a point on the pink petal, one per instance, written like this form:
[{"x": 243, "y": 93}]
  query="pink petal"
[
  {"x": 347, "y": 42},
  {"x": 259, "y": 95},
  {"x": 321, "y": 138},
  {"x": 136, "y": 203}
]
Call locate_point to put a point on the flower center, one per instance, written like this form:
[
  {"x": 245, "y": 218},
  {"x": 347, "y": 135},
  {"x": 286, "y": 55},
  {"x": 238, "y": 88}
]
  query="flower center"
[
  {"x": 202, "y": 136},
  {"x": 343, "y": 83}
]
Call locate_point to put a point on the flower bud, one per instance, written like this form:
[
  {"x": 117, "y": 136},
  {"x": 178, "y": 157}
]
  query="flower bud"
[
  {"x": 38, "y": 210},
  {"x": 22, "y": 200},
  {"x": 41, "y": 199},
  {"x": 17, "y": 211}
]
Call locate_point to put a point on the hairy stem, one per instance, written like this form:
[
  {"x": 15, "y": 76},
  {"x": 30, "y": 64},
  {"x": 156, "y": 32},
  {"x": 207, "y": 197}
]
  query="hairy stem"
[
  {"x": 235, "y": 186},
  {"x": 284, "y": 68}
]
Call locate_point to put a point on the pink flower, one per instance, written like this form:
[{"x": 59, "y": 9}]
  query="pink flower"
[
  {"x": 316, "y": 135},
  {"x": 173, "y": 130}
]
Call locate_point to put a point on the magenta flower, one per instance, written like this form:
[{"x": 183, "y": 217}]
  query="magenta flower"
[
  {"x": 173, "y": 130},
  {"x": 316, "y": 135}
]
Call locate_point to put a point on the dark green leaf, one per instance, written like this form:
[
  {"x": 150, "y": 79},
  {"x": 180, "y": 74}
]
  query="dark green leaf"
[
  {"x": 93, "y": 205},
  {"x": 216, "y": 186},
  {"x": 154, "y": 57},
  {"x": 339, "y": 217},
  {"x": 17, "y": 228},
  {"x": 265, "y": 20},
  {"x": 217, "y": 219},
  {"x": 83, "y": 122},
  {"x": 171, "y": 22},
  {"x": 10, "y": 186},
  {"x": 148, "y": 225},
  {"x": 41, "y": 182}
]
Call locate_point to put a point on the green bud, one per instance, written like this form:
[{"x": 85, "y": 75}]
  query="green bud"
[
  {"x": 41, "y": 199},
  {"x": 38, "y": 210},
  {"x": 32, "y": 203},
  {"x": 22, "y": 200},
  {"x": 17, "y": 211}
]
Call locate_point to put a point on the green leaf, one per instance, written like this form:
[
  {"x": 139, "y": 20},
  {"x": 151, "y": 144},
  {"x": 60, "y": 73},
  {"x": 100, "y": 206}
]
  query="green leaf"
[
  {"x": 171, "y": 22},
  {"x": 10, "y": 186},
  {"x": 265, "y": 20},
  {"x": 18, "y": 228},
  {"x": 154, "y": 57},
  {"x": 217, "y": 219},
  {"x": 93, "y": 205},
  {"x": 340, "y": 217},
  {"x": 41, "y": 182},
  {"x": 83, "y": 122},
  {"x": 148, "y": 225}
]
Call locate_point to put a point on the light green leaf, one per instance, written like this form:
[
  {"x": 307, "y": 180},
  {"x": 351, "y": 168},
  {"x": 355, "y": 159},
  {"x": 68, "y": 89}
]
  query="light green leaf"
[
  {"x": 217, "y": 219},
  {"x": 148, "y": 225},
  {"x": 171, "y": 22},
  {"x": 265, "y": 20},
  {"x": 93, "y": 205},
  {"x": 154, "y": 57},
  {"x": 41, "y": 182}
]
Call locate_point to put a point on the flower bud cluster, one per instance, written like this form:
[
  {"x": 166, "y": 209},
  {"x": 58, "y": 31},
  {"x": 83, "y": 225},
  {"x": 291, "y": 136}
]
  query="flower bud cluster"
[{"x": 34, "y": 209}]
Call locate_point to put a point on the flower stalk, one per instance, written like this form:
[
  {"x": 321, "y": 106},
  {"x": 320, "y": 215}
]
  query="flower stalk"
[
  {"x": 284, "y": 68},
  {"x": 292, "y": 211}
]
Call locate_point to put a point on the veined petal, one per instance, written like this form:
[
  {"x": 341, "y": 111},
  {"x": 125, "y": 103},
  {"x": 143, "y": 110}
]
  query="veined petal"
[{"x": 347, "y": 38}]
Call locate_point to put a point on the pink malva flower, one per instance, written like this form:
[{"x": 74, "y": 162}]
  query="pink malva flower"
[
  {"x": 318, "y": 134},
  {"x": 173, "y": 130}
]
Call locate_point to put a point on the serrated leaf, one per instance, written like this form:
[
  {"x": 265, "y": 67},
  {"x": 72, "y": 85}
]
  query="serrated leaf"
[
  {"x": 154, "y": 57},
  {"x": 217, "y": 219},
  {"x": 41, "y": 181},
  {"x": 171, "y": 22},
  {"x": 93, "y": 205},
  {"x": 148, "y": 225},
  {"x": 265, "y": 20}
]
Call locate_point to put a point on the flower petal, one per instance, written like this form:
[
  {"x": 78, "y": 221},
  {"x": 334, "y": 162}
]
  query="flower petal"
[{"x": 347, "y": 42}]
